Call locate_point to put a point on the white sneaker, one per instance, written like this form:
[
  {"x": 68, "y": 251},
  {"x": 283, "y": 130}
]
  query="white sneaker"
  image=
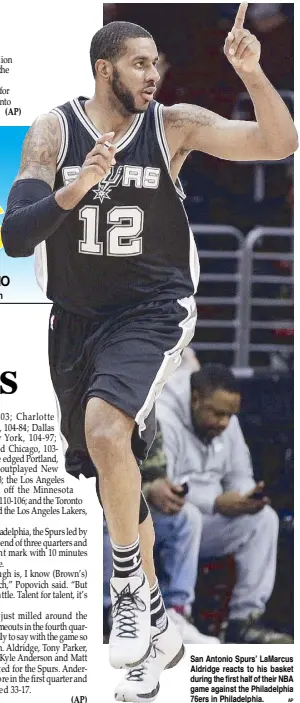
[
  {"x": 189, "y": 633},
  {"x": 142, "y": 683},
  {"x": 130, "y": 637}
]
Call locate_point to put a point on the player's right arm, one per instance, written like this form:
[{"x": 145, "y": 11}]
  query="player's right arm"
[
  {"x": 34, "y": 212},
  {"x": 40, "y": 150}
]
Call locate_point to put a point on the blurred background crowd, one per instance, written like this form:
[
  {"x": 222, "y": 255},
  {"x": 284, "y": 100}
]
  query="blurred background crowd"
[{"x": 242, "y": 218}]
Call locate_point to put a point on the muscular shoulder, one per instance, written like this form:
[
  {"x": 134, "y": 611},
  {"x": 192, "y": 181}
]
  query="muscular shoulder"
[{"x": 40, "y": 149}]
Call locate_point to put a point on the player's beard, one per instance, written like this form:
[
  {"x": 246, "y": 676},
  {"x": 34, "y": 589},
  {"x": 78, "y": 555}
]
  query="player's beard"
[{"x": 124, "y": 95}]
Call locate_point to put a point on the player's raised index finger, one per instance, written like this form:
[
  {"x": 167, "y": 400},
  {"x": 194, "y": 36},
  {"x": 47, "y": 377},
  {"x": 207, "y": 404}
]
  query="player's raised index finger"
[{"x": 240, "y": 16}]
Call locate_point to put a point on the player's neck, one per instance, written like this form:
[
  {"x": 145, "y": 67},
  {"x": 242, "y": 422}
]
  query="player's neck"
[{"x": 107, "y": 117}]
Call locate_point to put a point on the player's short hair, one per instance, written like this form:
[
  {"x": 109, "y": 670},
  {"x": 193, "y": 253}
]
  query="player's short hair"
[
  {"x": 213, "y": 377},
  {"x": 109, "y": 42}
]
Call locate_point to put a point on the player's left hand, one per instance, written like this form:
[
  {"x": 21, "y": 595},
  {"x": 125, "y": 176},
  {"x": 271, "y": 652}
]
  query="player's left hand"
[{"x": 241, "y": 48}]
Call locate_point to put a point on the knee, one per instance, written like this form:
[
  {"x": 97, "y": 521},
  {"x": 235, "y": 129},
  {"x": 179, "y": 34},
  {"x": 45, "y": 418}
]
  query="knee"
[
  {"x": 268, "y": 520},
  {"x": 107, "y": 429},
  {"x": 189, "y": 524},
  {"x": 193, "y": 517},
  {"x": 264, "y": 523}
]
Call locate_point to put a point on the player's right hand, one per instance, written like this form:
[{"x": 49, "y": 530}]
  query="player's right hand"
[{"x": 98, "y": 161}]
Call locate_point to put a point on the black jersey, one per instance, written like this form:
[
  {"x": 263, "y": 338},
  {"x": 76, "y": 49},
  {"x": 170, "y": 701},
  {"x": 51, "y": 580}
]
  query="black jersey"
[{"x": 128, "y": 240}]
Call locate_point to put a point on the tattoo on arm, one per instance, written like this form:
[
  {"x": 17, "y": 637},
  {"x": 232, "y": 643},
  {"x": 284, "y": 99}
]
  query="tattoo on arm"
[
  {"x": 40, "y": 150},
  {"x": 190, "y": 115},
  {"x": 184, "y": 125},
  {"x": 192, "y": 127}
]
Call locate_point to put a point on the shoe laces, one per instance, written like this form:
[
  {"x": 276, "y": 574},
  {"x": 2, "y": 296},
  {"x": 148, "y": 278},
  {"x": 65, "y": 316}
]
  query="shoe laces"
[
  {"x": 139, "y": 672},
  {"x": 125, "y": 610},
  {"x": 136, "y": 674}
]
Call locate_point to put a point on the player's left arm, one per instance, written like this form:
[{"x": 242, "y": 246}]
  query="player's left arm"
[{"x": 272, "y": 136}]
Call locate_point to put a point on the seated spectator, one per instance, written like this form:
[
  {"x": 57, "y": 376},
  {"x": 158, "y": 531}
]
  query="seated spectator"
[
  {"x": 177, "y": 526},
  {"x": 204, "y": 446}
]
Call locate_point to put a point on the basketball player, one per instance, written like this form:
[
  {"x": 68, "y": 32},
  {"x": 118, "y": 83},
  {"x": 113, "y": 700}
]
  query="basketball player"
[{"x": 98, "y": 198}]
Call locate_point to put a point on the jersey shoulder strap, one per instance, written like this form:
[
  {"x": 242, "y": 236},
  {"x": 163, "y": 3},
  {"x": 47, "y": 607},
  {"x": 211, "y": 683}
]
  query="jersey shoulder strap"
[
  {"x": 68, "y": 122},
  {"x": 61, "y": 113},
  {"x": 163, "y": 144}
]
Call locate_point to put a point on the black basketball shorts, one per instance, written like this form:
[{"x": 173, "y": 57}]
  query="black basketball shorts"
[{"x": 124, "y": 358}]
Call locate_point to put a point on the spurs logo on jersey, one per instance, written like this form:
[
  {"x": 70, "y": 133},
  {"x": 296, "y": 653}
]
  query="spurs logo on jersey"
[
  {"x": 105, "y": 186},
  {"x": 126, "y": 176}
]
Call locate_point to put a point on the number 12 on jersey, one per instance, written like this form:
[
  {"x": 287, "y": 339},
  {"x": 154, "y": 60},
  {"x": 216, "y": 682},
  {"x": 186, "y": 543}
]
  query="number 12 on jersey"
[{"x": 123, "y": 237}]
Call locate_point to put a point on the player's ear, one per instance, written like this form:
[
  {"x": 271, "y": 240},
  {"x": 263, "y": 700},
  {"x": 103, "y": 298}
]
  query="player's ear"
[{"x": 103, "y": 69}]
